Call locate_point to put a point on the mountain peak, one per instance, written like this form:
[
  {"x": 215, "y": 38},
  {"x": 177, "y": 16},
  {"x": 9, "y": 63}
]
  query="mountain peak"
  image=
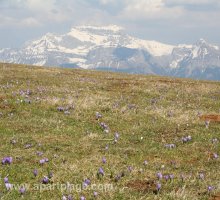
[
  {"x": 201, "y": 41},
  {"x": 113, "y": 28}
]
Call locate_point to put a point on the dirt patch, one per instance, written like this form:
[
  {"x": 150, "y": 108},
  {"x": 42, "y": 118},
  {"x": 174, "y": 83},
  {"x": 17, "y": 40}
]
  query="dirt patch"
[
  {"x": 215, "y": 197},
  {"x": 211, "y": 118},
  {"x": 147, "y": 186}
]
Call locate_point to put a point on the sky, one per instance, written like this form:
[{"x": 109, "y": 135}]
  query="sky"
[{"x": 167, "y": 21}]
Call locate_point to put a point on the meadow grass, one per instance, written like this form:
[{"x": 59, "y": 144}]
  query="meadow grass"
[{"x": 148, "y": 112}]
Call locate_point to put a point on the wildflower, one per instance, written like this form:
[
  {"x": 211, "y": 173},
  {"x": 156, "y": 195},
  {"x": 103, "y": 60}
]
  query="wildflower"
[
  {"x": 207, "y": 123},
  {"x": 69, "y": 197},
  {"x": 158, "y": 186},
  {"x": 171, "y": 176},
  {"x": 45, "y": 180},
  {"x": 159, "y": 175},
  {"x": 7, "y": 160},
  {"x": 82, "y": 198},
  {"x": 117, "y": 178},
  {"x": 61, "y": 109},
  {"x": 13, "y": 141},
  {"x": 6, "y": 180},
  {"x": 201, "y": 176},
  {"x": 86, "y": 182},
  {"x": 166, "y": 177},
  {"x": 210, "y": 188},
  {"x": 98, "y": 115},
  {"x": 28, "y": 146},
  {"x": 35, "y": 172},
  {"x": 67, "y": 112},
  {"x": 95, "y": 194},
  {"x": 39, "y": 153},
  {"x": 22, "y": 190},
  {"x": 215, "y": 155},
  {"x": 8, "y": 186},
  {"x": 170, "y": 146},
  {"x": 214, "y": 140},
  {"x": 116, "y": 135},
  {"x": 129, "y": 168},
  {"x": 103, "y": 160},
  {"x": 42, "y": 161},
  {"x": 101, "y": 171},
  {"x": 64, "y": 197},
  {"x": 145, "y": 162}
]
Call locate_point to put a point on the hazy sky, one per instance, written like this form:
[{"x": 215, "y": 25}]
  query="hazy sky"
[{"x": 168, "y": 21}]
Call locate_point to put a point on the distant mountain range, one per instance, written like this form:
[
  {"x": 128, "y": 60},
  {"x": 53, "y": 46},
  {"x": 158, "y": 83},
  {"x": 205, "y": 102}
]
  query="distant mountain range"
[{"x": 110, "y": 48}]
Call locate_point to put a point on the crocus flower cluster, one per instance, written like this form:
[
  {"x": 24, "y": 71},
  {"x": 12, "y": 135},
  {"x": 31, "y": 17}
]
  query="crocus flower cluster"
[
  {"x": 68, "y": 197},
  {"x": 7, "y": 160},
  {"x": 98, "y": 115},
  {"x": 86, "y": 183},
  {"x": 7, "y": 184},
  {"x": 44, "y": 160},
  {"x": 104, "y": 127},
  {"x": 186, "y": 139},
  {"x": 170, "y": 146}
]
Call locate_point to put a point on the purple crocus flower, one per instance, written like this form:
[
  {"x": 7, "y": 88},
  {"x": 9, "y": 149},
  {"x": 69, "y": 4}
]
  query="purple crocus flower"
[
  {"x": 39, "y": 153},
  {"x": 159, "y": 175},
  {"x": 207, "y": 123},
  {"x": 170, "y": 146},
  {"x": 129, "y": 168},
  {"x": 42, "y": 161},
  {"x": 210, "y": 188},
  {"x": 67, "y": 112},
  {"x": 7, "y": 160},
  {"x": 117, "y": 178},
  {"x": 101, "y": 171},
  {"x": 8, "y": 186},
  {"x": 201, "y": 176},
  {"x": 116, "y": 135},
  {"x": 214, "y": 140},
  {"x": 45, "y": 180},
  {"x": 166, "y": 177},
  {"x": 86, "y": 182},
  {"x": 64, "y": 197},
  {"x": 61, "y": 109},
  {"x": 22, "y": 190},
  {"x": 82, "y": 198},
  {"x": 215, "y": 155},
  {"x": 98, "y": 115},
  {"x": 145, "y": 162},
  {"x": 158, "y": 186},
  {"x": 6, "y": 180},
  {"x": 28, "y": 146},
  {"x": 171, "y": 176},
  {"x": 35, "y": 172},
  {"x": 13, "y": 141},
  {"x": 95, "y": 194},
  {"x": 103, "y": 160},
  {"x": 69, "y": 197}
]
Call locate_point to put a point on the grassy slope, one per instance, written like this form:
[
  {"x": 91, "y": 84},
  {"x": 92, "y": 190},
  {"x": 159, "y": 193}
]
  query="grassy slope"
[{"x": 75, "y": 143}]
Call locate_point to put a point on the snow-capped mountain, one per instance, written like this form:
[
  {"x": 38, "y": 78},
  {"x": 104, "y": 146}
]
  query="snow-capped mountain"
[{"x": 110, "y": 48}]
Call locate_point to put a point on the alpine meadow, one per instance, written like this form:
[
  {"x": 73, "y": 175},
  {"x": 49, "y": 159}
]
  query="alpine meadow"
[{"x": 84, "y": 134}]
